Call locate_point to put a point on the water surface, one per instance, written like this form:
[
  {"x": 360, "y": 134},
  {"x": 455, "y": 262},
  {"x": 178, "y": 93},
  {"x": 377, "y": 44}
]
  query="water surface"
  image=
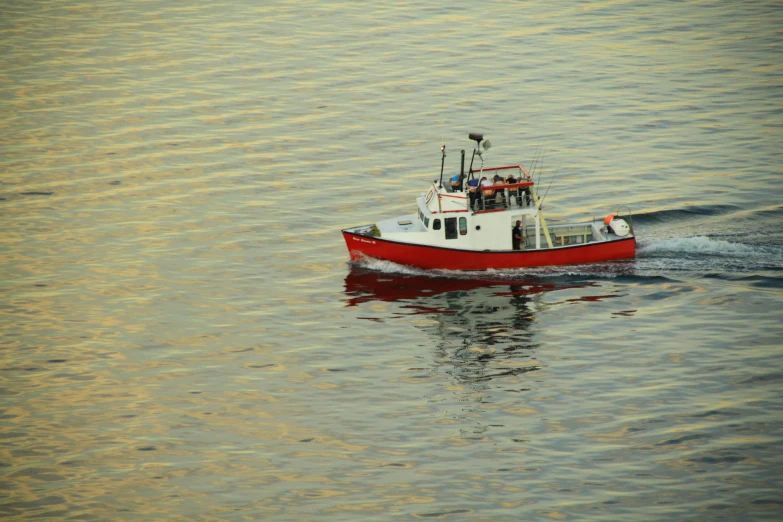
[{"x": 183, "y": 336}]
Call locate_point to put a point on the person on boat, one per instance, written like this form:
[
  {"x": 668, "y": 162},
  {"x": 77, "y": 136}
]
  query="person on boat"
[
  {"x": 526, "y": 192},
  {"x": 456, "y": 182},
  {"x": 500, "y": 193},
  {"x": 487, "y": 193},
  {"x": 473, "y": 192},
  {"x": 516, "y": 236},
  {"x": 514, "y": 192}
]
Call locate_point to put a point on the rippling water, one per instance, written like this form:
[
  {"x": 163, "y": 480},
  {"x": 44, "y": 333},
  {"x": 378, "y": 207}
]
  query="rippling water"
[{"x": 184, "y": 338}]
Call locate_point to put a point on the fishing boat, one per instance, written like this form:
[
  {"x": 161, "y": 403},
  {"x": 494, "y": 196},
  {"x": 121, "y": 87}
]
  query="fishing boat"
[{"x": 472, "y": 223}]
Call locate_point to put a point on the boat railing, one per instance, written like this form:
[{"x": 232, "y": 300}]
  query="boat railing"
[
  {"x": 510, "y": 194},
  {"x": 563, "y": 235},
  {"x": 495, "y": 197},
  {"x": 521, "y": 168}
]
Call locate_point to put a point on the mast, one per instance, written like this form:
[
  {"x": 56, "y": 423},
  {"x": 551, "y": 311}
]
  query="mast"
[
  {"x": 442, "y": 161},
  {"x": 477, "y": 138}
]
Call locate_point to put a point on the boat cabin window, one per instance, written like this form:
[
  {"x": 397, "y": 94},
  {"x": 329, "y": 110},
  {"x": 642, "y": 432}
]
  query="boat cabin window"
[
  {"x": 436, "y": 224},
  {"x": 424, "y": 219},
  {"x": 463, "y": 226},
  {"x": 451, "y": 228}
]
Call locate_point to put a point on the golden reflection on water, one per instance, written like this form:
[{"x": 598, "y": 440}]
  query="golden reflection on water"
[{"x": 173, "y": 346}]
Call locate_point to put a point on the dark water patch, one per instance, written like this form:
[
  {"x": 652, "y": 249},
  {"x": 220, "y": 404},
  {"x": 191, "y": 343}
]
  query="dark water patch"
[
  {"x": 714, "y": 414},
  {"x": 75, "y": 376},
  {"x": 19, "y": 369},
  {"x": 257, "y": 366},
  {"x": 645, "y": 280},
  {"x": 57, "y": 360},
  {"x": 721, "y": 507},
  {"x": 13, "y": 435},
  {"x": 677, "y": 215},
  {"x": 27, "y": 453},
  {"x": 442, "y": 514},
  {"x": 728, "y": 457},
  {"x": 683, "y": 439},
  {"x": 768, "y": 502},
  {"x": 51, "y": 500},
  {"x": 775, "y": 212},
  {"x": 517, "y": 371},
  {"x": 751, "y": 427},
  {"x": 310, "y": 439},
  {"x": 36, "y": 193},
  {"x": 115, "y": 182},
  {"x": 43, "y": 474},
  {"x": 660, "y": 296},
  {"x": 769, "y": 377},
  {"x": 478, "y": 374},
  {"x": 756, "y": 281},
  {"x": 147, "y": 448}
]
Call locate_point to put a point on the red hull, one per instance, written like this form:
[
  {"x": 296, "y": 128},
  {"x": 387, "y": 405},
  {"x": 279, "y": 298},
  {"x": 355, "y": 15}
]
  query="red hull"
[{"x": 439, "y": 258}]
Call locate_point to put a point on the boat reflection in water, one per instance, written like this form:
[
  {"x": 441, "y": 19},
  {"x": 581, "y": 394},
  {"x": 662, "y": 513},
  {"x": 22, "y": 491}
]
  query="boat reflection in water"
[{"x": 482, "y": 326}]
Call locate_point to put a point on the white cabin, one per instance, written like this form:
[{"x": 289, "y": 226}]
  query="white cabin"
[{"x": 444, "y": 218}]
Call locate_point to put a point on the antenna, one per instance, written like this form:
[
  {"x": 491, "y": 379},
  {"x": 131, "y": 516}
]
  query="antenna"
[
  {"x": 442, "y": 162},
  {"x": 550, "y": 183}
]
